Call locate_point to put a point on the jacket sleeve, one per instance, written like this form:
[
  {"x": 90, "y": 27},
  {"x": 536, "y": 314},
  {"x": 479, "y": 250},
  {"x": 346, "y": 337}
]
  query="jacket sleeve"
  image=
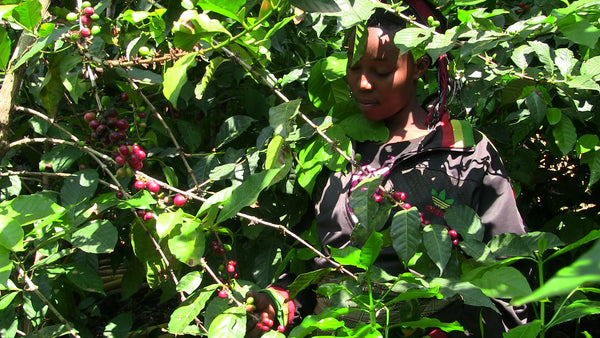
[{"x": 497, "y": 206}]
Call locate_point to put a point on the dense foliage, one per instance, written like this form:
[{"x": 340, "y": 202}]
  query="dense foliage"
[{"x": 159, "y": 157}]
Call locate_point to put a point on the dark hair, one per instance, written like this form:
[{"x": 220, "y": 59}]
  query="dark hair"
[{"x": 421, "y": 10}]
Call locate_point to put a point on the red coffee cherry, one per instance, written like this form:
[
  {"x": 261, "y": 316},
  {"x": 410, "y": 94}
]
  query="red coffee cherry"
[{"x": 179, "y": 200}]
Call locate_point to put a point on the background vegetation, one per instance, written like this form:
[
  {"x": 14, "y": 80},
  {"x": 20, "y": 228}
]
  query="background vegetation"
[{"x": 239, "y": 106}]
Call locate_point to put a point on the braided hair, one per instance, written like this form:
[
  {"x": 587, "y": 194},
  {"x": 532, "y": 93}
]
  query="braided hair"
[{"x": 436, "y": 103}]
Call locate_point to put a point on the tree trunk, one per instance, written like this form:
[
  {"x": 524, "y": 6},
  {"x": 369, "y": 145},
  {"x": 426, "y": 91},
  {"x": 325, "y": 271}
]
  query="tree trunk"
[{"x": 12, "y": 82}]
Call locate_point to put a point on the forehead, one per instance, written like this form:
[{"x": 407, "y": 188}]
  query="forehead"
[{"x": 380, "y": 45}]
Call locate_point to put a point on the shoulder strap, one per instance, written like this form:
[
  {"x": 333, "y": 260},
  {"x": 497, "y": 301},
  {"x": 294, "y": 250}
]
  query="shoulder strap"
[{"x": 457, "y": 134}]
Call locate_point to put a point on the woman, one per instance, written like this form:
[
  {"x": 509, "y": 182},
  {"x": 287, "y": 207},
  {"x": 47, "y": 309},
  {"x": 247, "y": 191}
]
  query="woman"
[{"x": 430, "y": 162}]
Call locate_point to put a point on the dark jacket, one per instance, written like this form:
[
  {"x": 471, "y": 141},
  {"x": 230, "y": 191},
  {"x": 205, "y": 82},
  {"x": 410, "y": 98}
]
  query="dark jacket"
[{"x": 451, "y": 165}]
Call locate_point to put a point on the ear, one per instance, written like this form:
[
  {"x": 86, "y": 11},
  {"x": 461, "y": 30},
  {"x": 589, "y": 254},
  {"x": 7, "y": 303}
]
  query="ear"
[{"x": 422, "y": 65}]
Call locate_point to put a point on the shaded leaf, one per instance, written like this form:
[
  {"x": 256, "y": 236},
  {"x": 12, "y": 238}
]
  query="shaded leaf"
[
  {"x": 405, "y": 233},
  {"x": 585, "y": 269},
  {"x": 98, "y": 236}
]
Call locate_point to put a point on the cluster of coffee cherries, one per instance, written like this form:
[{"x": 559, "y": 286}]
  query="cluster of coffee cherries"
[
  {"x": 266, "y": 323},
  {"x": 398, "y": 196},
  {"x": 146, "y": 215},
  {"x": 217, "y": 248},
  {"x": 86, "y": 16},
  {"x": 453, "y": 236},
  {"x": 107, "y": 128},
  {"x": 230, "y": 268}
]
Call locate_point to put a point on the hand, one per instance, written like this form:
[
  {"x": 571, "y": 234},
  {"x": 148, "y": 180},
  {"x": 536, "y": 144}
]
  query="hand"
[{"x": 262, "y": 303}]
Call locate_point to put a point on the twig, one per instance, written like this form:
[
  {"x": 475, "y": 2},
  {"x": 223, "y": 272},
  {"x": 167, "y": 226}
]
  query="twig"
[{"x": 34, "y": 288}]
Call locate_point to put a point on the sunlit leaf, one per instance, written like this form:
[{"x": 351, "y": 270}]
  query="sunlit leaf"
[{"x": 229, "y": 324}]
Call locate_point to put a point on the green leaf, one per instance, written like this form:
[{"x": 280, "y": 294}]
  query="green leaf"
[
  {"x": 6, "y": 266},
  {"x": 578, "y": 309},
  {"x": 189, "y": 309},
  {"x": 190, "y": 282},
  {"x": 303, "y": 280},
  {"x": 348, "y": 12},
  {"x": 466, "y": 221},
  {"x": 442, "y": 43},
  {"x": 405, "y": 233},
  {"x": 209, "y": 72},
  {"x": 141, "y": 200},
  {"x": 229, "y": 324},
  {"x": 176, "y": 76},
  {"x": 231, "y": 8},
  {"x": 553, "y": 115},
  {"x": 28, "y": 13},
  {"x": 247, "y": 193},
  {"x": 531, "y": 329},
  {"x": 27, "y": 209},
  {"x": 586, "y": 143},
  {"x": 186, "y": 243},
  {"x": 85, "y": 277},
  {"x": 11, "y": 234},
  {"x": 584, "y": 82},
  {"x": 565, "y": 61},
  {"x": 471, "y": 294},
  {"x": 579, "y": 30},
  {"x": 79, "y": 186},
  {"x": 39, "y": 45},
  {"x": 348, "y": 255},
  {"x": 438, "y": 245},
  {"x": 589, "y": 237},
  {"x": 140, "y": 75},
  {"x": 145, "y": 251},
  {"x": 425, "y": 323},
  {"x": 477, "y": 250},
  {"x": 520, "y": 57},
  {"x": 565, "y": 135},
  {"x": 509, "y": 245},
  {"x": 586, "y": 269},
  {"x": 503, "y": 282},
  {"x": 60, "y": 158},
  {"x": 361, "y": 129},
  {"x": 98, "y": 237},
  {"x": 190, "y": 134},
  {"x": 594, "y": 169},
  {"x": 371, "y": 215},
  {"x": 281, "y": 117},
  {"x": 370, "y": 251},
  {"x": 5, "y": 48},
  {"x": 536, "y": 105},
  {"x": 314, "y": 322},
  {"x": 119, "y": 326},
  {"x": 232, "y": 128},
  {"x": 9, "y": 186},
  {"x": 543, "y": 52},
  {"x": 334, "y": 66},
  {"x": 591, "y": 68},
  {"x": 167, "y": 221},
  {"x": 409, "y": 38}
]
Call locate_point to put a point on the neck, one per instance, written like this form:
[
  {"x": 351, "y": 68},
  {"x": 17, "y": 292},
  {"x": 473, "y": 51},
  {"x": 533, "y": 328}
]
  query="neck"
[{"x": 407, "y": 124}]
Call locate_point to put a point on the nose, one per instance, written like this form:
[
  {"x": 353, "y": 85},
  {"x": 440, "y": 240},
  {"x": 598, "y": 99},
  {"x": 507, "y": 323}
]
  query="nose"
[{"x": 365, "y": 84}]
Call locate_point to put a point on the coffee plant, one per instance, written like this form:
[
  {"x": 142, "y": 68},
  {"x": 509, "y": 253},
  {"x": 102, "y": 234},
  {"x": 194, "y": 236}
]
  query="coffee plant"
[{"x": 159, "y": 157}]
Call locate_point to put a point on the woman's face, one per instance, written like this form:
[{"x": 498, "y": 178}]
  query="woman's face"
[{"x": 382, "y": 81}]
